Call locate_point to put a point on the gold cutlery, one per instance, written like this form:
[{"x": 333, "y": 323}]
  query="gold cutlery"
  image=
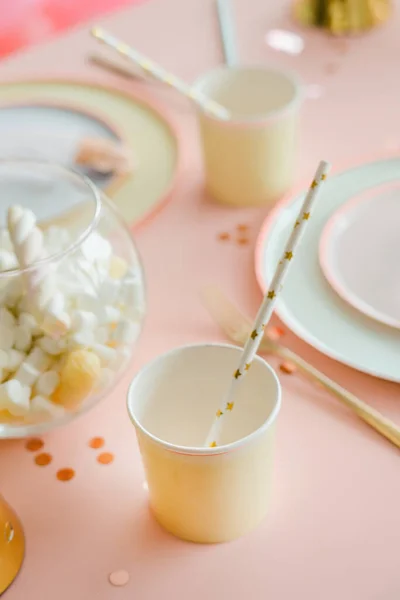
[{"x": 237, "y": 326}]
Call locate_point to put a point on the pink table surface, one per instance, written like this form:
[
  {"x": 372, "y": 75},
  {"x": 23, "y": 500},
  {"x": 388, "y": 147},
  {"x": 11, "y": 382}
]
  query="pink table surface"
[{"x": 334, "y": 525}]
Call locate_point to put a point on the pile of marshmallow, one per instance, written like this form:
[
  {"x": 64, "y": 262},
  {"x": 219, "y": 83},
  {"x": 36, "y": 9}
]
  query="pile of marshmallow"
[{"x": 67, "y": 325}]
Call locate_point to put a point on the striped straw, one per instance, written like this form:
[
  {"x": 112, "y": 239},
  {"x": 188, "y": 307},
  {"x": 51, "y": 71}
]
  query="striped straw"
[
  {"x": 161, "y": 74},
  {"x": 268, "y": 303},
  {"x": 227, "y": 31}
]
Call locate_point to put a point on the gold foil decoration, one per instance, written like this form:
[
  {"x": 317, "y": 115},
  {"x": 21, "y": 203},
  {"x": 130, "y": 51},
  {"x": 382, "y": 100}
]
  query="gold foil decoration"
[
  {"x": 342, "y": 17},
  {"x": 12, "y": 545}
]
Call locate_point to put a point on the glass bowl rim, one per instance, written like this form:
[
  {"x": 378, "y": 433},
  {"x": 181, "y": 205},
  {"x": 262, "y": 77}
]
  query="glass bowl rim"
[{"x": 96, "y": 197}]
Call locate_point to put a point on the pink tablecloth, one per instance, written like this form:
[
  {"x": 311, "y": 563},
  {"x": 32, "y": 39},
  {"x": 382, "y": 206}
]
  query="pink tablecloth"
[{"x": 334, "y": 526}]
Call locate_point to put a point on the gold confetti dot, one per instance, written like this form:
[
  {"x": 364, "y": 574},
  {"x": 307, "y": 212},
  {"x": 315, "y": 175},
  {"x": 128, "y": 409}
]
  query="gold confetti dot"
[
  {"x": 237, "y": 374},
  {"x": 213, "y": 445},
  {"x": 229, "y": 405},
  {"x": 287, "y": 367},
  {"x": 34, "y": 444},
  {"x": 44, "y": 459},
  {"x": 243, "y": 241},
  {"x": 296, "y": 224},
  {"x": 247, "y": 366},
  {"x": 306, "y": 216},
  {"x": 219, "y": 413},
  {"x": 105, "y": 458},
  {"x": 119, "y": 578},
  {"x": 65, "y": 474},
  {"x": 254, "y": 334},
  {"x": 97, "y": 442},
  {"x": 323, "y": 177},
  {"x": 271, "y": 295},
  {"x": 314, "y": 184},
  {"x": 274, "y": 333},
  {"x": 288, "y": 255}
]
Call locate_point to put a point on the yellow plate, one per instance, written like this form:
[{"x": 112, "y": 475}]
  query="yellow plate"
[{"x": 133, "y": 118}]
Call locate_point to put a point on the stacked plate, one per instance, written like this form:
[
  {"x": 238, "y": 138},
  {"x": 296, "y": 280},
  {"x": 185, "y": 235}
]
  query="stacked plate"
[{"x": 343, "y": 294}]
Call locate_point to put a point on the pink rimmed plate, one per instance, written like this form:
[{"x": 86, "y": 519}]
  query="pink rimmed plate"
[
  {"x": 307, "y": 304},
  {"x": 359, "y": 253}
]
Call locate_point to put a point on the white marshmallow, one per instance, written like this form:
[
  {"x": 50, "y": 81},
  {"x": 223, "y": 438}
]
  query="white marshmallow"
[
  {"x": 106, "y": 354},
  {"x": 4, "y": 360},
  {"x": 109, "y": 290},
  {"x": 27, "y": 320},
  {"x": 51, "y": 346},
  {"x": 47, "y": 383},
  {"x": 82, "y": 339},
  {"x": 5, "y": 240},
  {"x": 110, "y": 314},
  {"x": 7, "y": 337},
  {"x": 14, "y": 397},
  {"x": 123, "y": 357},
  {"x": 7, "y": 318},
  {"x": 96, "y": 248},
  {"x": 23, "y": 338},
  {"x": 102, "y": 335},
  {"x": 15, "y": 358},
  {"x": 83, "y": 319},
  {"x": 106, "y": 379},
  {"x": 89, "y": 303},
  {"x": 26, "y": 374},
  {"x": 39, "y": 359},
  {"x": 41, "y": 405},
  {"x": 8, "y": 260},
  {"x": 126, "y": 332}
]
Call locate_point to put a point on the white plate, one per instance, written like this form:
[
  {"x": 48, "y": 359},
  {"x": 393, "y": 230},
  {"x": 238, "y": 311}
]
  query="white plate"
[
  {"x": 307, "y": 304},
  {"x": 359, "y": 253}
]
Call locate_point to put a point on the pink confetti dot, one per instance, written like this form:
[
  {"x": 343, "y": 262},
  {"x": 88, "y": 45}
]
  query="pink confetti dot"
[{"x": 119, "y": 578}]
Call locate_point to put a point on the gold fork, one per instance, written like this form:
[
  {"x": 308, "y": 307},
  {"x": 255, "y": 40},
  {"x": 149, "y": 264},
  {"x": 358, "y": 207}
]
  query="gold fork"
[{"x": 237, "y": 327}]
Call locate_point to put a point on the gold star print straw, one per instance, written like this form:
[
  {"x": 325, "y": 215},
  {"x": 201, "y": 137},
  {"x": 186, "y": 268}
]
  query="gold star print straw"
[
  {"x": 160, "y": 73},
  {"x": 268, "y": 303}
]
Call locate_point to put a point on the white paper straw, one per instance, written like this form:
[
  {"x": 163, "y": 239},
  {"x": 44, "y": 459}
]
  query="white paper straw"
[
  {"x": 268, "y": 303},
  {"x": 227, "y": 31},
  {"x": 161, "y": 74}
]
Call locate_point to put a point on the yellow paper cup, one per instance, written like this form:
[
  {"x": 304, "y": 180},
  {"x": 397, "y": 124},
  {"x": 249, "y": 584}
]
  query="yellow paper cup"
[
  {"x": 202, "y": 494},
  {"x": 250, "y": 159}
]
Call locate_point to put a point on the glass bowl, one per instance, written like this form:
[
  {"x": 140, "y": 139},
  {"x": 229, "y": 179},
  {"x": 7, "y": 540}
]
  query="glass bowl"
[{"x": 72, "y": 296}]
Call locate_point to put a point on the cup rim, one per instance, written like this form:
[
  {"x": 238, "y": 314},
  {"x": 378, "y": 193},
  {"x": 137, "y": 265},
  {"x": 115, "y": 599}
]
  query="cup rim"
[
  {"x": 298, "y": 94},
  {"x": 95, "y": 197},
  {"x": 195, "y": 450}
]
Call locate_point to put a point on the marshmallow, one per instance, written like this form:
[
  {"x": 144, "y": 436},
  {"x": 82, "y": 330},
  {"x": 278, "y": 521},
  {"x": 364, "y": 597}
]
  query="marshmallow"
[
  {"x": 126, "y": 332},
  {"x": 23, "y": 338},
  {"x": 109, "y": 291},
  {"x": 81, "y": 339},
  {"x": 15, "y": 358},
  {"x": 4, "y": 359},
  {"x": 96, "y": 248},
  {"x": 14, "y": 397},
  {"x": 110, "y": 314},
  {"x": 7, "y": 337},
  {"x": 118, "y": 267},
  {"x": 40, "y": 405},
  {"x": 83, "y": 319},
  {"x": 106, "y": 379},
  {"x": 102, "y": 335},
  {"x": 39, "y": 359},
  {"x": 51, "y": 346},
  {"x": 106, "y": 354},
  {"x": 26, "y": 374},
  {"x": 8, "y": 261},
  {"x": 6, "y": 317},
  {"x": 28, "y": 321},
  {"x": 78, "y": 376},
  {"x": 47, "y": 383}
]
